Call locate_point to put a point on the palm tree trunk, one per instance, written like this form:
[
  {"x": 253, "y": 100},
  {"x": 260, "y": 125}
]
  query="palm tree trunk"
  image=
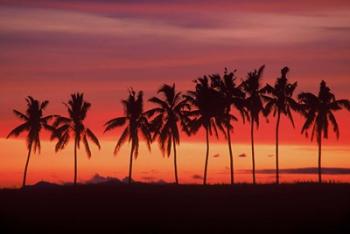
[
  {"x": 26, "y": 166},
  {"x": 230, "y": 152},
  {"x": 175, "y": 162},
  {"x": 206, "y": 157},
  {"x": 277, "y": 140},
  {"x": 253, "y": 153},
  {"x": 130, "y": 164},
  {"x": 75, "y": 162},
  {"x": 319, "y": 158}
]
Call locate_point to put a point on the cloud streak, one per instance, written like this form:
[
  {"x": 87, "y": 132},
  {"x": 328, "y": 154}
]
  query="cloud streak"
[
  {"x": 304, "y": 170},
  {"x": 258, "y": 28}
]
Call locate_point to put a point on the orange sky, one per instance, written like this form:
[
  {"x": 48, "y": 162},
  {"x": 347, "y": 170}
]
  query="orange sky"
[{"x": 50, "y": 49}]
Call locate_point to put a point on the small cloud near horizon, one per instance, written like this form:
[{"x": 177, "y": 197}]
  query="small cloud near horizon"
[
  {"x": 96, "y": 179},
  {"x": 197, "y": 177}
]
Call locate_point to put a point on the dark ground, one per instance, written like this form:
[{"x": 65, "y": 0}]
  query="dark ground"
[{"x": 140, "y": 208}]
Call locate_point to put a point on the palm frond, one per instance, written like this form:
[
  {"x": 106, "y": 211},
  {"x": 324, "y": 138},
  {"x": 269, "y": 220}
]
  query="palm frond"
[
  {"x": 309, "y": 121},
  {"x": 121, "y": 140},
  {"x": 158, "y": 101},
  {"x": 61, "y": 120},
  {"x": 44, "y": 104},
  {"x": 87, "y": 147},
  {"x": 268, "y": 108},
  {"x": 62, "y": 141},
  {"x": 147, "y": 136},
  {"x": 21, "y": 115},
  {"x": 153, "y": 111},
  {"x": 93, "y": 137},
  {"x": 339, "y": 104},
  {"x": 36, "y": 141},
  {"x": 334, "y": 122},
  {"x": 169, "y": 146},
  {"x": 18, "y": 130},
  {"x": 113, "y": 123},
  {"x": 290, "y": 117}
]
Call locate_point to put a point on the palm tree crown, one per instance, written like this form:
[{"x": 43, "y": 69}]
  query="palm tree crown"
[
  {"x": 207, "y": 106},
  {"x": 73, "y": 127},
  {"x": 34, "y": 121},
  {"x": 318, "y": 111},
  {"x": 281, "y": 96},
  {"x": 254, "y": 92},
  {"x": 136, "y": 121}
]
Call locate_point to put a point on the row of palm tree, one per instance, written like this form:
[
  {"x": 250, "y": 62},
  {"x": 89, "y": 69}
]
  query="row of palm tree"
[{"x": 209, "y": 107}]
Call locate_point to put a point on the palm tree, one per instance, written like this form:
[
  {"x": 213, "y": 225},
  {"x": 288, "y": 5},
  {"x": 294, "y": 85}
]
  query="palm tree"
[
  {"x": 318, "y": 111},
  {"x": 207, "y": 105},
  {"x": 73, "y": 126},
  {"x": 254, "y": 104},
  {"x": 233, "y": 97},
  {"x": 136, "y": 121},
  {"x": 280, "y": 102},
  {"x": 165, "y": 124},
  {"x": 34, "y": 121}
]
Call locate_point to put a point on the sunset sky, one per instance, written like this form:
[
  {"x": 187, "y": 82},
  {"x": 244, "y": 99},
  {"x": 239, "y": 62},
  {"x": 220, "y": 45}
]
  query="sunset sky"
[{"x": 50, "y": 49}]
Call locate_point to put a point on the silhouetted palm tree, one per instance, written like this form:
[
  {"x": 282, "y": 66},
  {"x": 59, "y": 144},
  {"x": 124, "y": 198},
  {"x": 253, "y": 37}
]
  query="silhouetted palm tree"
[
  {"x": 136, "y": 120},
  {"x": 254, "y": 104},
  {"x": 207, "y": 104},
  {"x": 280, "y": 102},
  {"x": 318, "y": 111},
  {"x": 34, "y": 121},
  {"x": 233, "y": 97},
  {"x": 165, "y": 124},
  {"x": 73, "y": 126}
]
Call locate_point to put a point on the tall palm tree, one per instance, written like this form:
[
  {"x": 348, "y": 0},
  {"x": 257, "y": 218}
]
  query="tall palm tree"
[
  {"x": 280, "y": 102},
  {"x": 318, "y": 111},
  {"x": 34, "y": 120},
  {"x": 207, "y": 105},
  {"x": 254, "y": 104},
  {"x": 136, "y": 121},
  {"x": 233, "y": 97},
  {"x": 169, "y": 112},
  {"x": 73, "y": 126}
]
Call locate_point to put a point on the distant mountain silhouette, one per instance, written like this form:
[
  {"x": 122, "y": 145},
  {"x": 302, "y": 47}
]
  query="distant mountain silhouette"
[{"x": 44, "y": 185}]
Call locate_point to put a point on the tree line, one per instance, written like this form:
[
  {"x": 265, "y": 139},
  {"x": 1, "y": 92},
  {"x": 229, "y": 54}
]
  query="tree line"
[{"x": 208, "y": 106}]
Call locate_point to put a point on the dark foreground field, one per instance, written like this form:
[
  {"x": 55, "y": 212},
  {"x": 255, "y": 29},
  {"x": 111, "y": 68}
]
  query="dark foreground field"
[{"x": 142, "y": 208}]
